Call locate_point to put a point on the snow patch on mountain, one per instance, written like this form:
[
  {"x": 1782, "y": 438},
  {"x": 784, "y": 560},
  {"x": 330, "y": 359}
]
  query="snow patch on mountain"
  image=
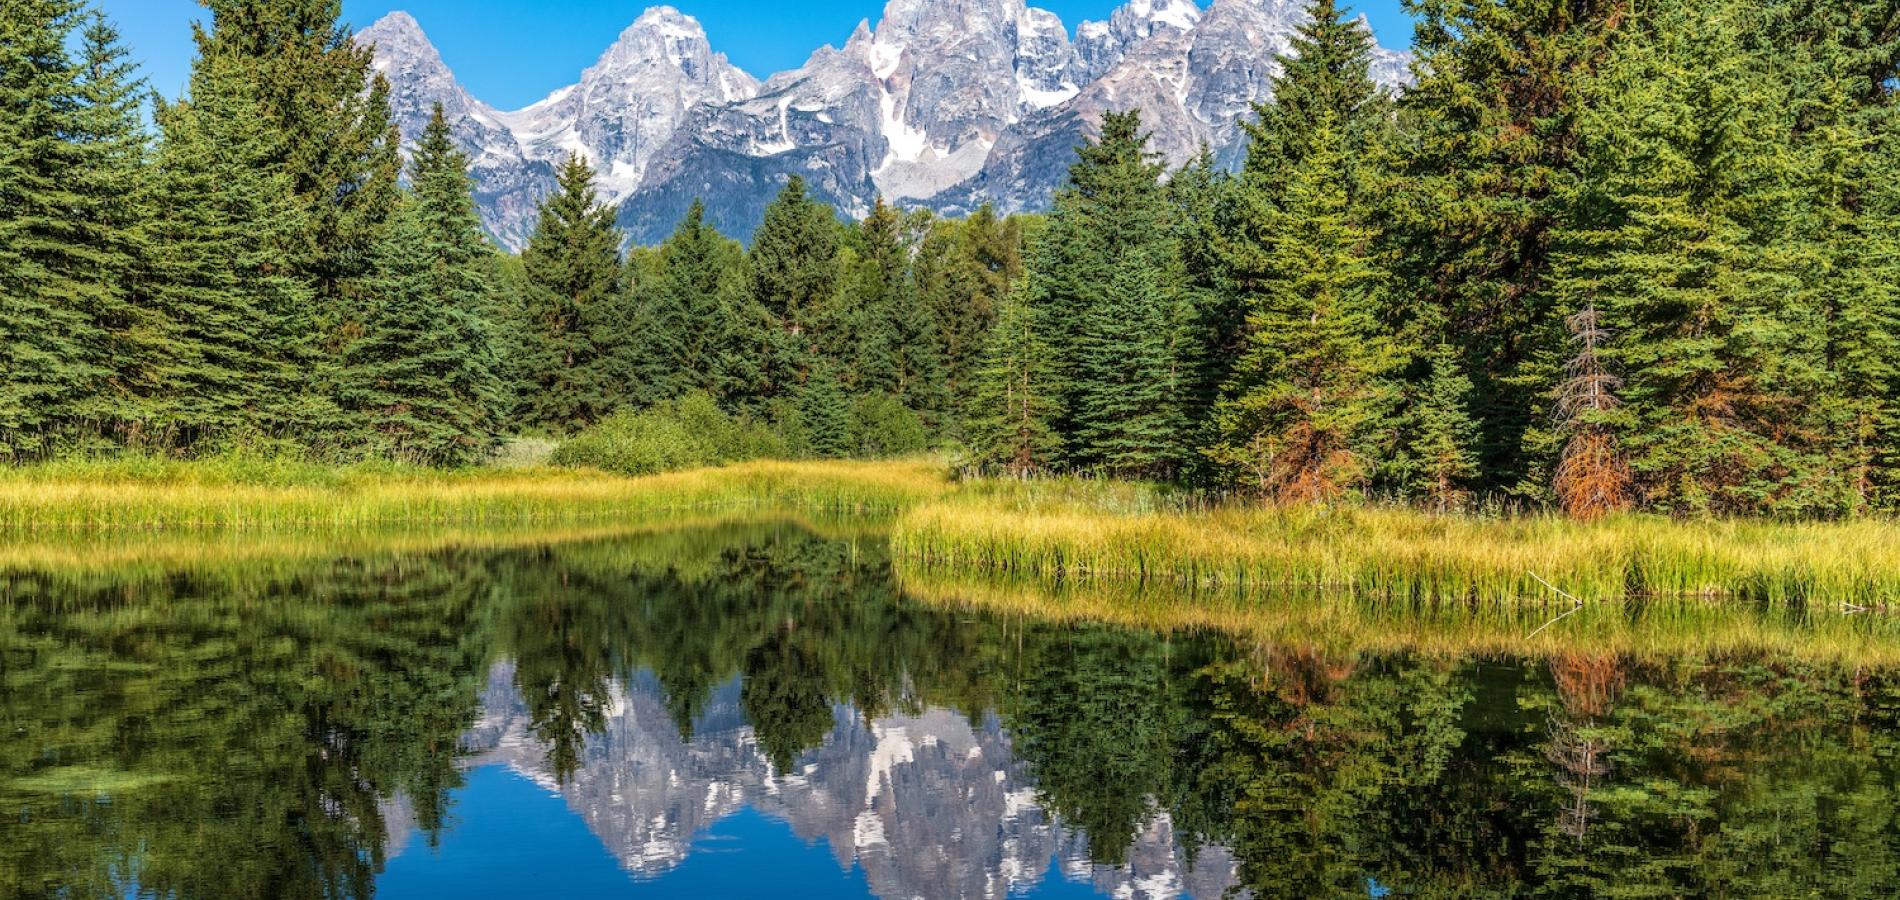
[{"x": 942, "y": 103}]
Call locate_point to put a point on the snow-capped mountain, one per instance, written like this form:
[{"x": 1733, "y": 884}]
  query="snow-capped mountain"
[{"x": 944, "y": 104}]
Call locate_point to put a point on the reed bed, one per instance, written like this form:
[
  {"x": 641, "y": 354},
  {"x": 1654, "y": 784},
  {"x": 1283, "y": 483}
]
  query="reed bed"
[
  {"x": 1078, "y": 531},
  {"x": 115, "y": 497}
]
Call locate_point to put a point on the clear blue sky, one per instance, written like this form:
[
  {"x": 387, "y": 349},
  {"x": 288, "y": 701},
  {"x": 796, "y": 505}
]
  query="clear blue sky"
[{"x": 513, "y": 52}]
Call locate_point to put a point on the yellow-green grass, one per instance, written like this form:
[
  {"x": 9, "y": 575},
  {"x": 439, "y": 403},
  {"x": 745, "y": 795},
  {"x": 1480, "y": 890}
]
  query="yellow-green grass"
[
  {"x": 78, "y": 497},
  {"x": 1078, "y": 531},
  {"x": 1338, "y": 625}
]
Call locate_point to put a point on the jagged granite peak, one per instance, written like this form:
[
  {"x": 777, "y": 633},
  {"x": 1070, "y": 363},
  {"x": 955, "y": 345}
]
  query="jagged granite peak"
[
  {"x": 508, "y": 185},
  {"x": 1100, "y": 46},
  {"x": 1194, "y": 86},
  {"x": 942, "y": 103},
  {"x": 630, "y": 102},
  {"x": 951, "y": 76}
]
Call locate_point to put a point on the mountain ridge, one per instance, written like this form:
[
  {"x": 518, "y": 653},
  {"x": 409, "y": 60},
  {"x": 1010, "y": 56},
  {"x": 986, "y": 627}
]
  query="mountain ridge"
[{"x": 943, "y": 104}]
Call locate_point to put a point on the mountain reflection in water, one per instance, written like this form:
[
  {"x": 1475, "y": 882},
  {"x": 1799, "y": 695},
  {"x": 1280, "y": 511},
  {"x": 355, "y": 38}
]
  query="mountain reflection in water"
[{"x": 222, "y": 721}]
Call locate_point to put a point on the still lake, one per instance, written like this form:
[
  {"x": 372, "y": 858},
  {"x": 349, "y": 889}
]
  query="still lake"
[{"x": 765, "y": 708}]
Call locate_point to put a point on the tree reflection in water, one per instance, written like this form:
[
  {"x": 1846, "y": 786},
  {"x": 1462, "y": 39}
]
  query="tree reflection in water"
[{"x": 210, "y": 727}]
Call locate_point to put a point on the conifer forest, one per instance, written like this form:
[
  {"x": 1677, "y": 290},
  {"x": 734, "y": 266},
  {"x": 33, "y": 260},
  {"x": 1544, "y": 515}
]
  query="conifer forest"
[{"x": 1602, "y": 255}]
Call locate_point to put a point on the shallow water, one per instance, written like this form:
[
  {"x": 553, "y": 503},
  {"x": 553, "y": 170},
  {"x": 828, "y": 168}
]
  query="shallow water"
[{"x": 759, "y": 709}]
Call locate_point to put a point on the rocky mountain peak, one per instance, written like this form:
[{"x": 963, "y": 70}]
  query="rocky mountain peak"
[{"x": 940, "y": 103}]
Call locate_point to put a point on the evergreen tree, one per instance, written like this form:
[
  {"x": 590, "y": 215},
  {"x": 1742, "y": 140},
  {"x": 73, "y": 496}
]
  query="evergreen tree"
[
  {"x": 700, "y": 329},
  {"x": 72, "y": 178},
  {"x": 422, "y": 376},
  {"x": 317, "y": 89},
  {"x": 1014, "y": 404},
  {"x": 232, "y": 320},
  {"x": 1441, "y": 434},
  {"x": 577, "y": 359},
  {"x": 1680, "y": 240},
  {"x": 1203, "y": 196},
  {"x": 1324, "y": 79},
  {"x": 963, "y": 270},
  {"x": 111, "y": 181},
  {"x": 1106, "y": 283},
  {"x": 825, "y": 412},
  {"x": 794, "y": 274},
  {"x": 895, "y": 339},
  {"x": 1490, "y": 140},
  {"x": 1304, "y": 414}
]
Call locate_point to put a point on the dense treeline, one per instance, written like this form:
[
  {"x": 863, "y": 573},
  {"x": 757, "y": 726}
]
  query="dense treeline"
[
  {"x": 1600, "y": 256},
  {"x": 258, "y": 265}
]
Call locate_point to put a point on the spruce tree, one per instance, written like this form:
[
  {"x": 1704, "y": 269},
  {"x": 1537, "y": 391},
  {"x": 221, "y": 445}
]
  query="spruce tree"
[
  {"x": 1441, "y": 435},
  {"x": 1304, "y": 414},
  {"x": 1203, "y": 199},
  {"x": 793, "y": 272},
  {"x": 43, "y": 331},
  {"x": 1306, "y": 417},
  {"x": 576, "y": 361},
  {"x": 895, "y": 338},
  {"x": 1325, "y": 78},
  {"x": 1106, "y": 283},
  {"x": 233, "y": 320},
  {"x": 825, "y": 412},
  {"x": 422, "y": 376},
  {"x": 318, "y": 90},
  {"x": 700, "y": 329},
  {"x": 112, "y": 181},
  {"x": 1490, "y": 141},
  {"x": 1014, "y": 405},
  {"x": 963, "y": 270},
  {"x": 72, "y": 156},
  {"x": 1681, "y": 242}
]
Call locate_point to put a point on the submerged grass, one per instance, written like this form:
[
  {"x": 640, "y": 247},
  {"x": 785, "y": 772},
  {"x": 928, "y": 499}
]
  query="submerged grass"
[{"x": 141, "y": 494}]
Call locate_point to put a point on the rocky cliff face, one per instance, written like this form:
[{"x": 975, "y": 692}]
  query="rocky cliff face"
[
  {"x": 945, "y": 103},
  {"x": 930, "y": 806}
]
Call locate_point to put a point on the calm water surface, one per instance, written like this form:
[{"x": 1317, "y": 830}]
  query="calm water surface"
[{"x": 758, "y": 709}]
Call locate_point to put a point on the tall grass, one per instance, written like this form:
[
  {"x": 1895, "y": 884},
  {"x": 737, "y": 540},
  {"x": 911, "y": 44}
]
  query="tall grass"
[
  {"x": 1060, "y": 530},
  {"x": 1073, "y": 530},
  {"x": 275, "y": 495}
]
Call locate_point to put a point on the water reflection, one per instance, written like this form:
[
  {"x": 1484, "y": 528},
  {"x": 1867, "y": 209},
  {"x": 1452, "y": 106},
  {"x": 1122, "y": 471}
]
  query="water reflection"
[{"x": 212, "y": 724}]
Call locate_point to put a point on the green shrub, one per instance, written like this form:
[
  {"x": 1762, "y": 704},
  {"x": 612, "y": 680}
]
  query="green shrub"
[
  {"x": 882, "y": 426},
  {"x": 685, "y": 434}
]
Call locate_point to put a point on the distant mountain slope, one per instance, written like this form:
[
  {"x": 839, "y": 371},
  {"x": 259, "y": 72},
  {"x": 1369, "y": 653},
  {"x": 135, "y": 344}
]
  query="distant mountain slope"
[{"x": 945, "y": 104}]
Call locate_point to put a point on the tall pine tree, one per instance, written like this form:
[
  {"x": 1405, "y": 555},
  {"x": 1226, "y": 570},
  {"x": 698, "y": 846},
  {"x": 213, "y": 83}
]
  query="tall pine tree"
[
  {"x": 1106, "y": 284},
  {"x": 421, "y": 377},
  {"x": 1014, "y": 404},
  {"x": 577, "y": 365},
  {"x": 232, "y": 318},
  {"x": 1306, "y": 409}
]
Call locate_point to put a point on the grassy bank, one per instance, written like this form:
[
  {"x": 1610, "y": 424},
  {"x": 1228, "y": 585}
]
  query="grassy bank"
[
  {"x": 268, "y": 495},
  {"x": 1055, "y": 532},
  {"x": 1081, "y": 531}
]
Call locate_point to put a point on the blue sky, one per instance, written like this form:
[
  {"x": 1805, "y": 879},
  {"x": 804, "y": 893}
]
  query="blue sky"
[{"x": 513, "y": 52}]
